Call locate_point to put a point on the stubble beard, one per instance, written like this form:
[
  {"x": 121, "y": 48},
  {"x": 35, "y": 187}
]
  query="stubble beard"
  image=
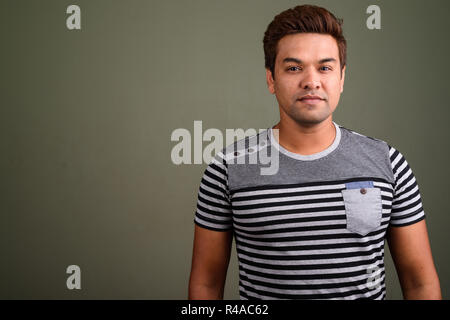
[{"x": 309, "y": 115}]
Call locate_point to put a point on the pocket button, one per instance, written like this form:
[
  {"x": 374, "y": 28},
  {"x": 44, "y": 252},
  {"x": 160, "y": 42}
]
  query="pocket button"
[{"x": 363, "y": 191}]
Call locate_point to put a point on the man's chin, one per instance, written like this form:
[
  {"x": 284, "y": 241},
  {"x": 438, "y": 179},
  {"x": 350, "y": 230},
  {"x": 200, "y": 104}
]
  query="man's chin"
[{"x": 310, "y": 120}]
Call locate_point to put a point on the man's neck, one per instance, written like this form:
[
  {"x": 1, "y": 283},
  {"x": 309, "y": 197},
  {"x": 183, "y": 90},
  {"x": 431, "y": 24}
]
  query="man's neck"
[{"x": 305, "y": 140}]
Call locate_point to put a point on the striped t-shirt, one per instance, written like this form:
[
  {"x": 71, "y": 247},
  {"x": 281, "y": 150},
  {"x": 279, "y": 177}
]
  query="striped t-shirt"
[{"x": 315, "y": 229}]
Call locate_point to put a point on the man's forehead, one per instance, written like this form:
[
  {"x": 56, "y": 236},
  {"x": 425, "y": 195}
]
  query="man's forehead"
[
  {"x": 301, "y": 37},
  {"x": 307, "y": 46}
]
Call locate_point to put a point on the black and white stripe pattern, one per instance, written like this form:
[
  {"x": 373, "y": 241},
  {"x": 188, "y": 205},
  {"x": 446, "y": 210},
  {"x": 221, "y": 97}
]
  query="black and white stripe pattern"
[
  {"x": 292, "y": 241},
  {"x": 213, "y": 204},
  {"x": 407, "y": 205}
]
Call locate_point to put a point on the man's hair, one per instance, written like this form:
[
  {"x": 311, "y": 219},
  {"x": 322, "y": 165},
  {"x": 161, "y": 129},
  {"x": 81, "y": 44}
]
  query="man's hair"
[{"x": 302, "y": 19}]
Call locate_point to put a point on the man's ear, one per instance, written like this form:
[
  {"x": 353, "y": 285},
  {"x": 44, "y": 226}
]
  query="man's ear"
[
  {"x": 270, "y": 81},
  {"x": 342, "y": 78}
]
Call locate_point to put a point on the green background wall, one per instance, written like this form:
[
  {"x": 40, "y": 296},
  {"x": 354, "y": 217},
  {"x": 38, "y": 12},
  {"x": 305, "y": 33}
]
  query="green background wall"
[{"x": 86, "y": 119}]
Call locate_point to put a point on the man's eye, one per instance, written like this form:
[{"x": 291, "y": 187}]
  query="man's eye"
[
  {"x": 325, "y": 68},
  {"x": 293, "y": 68}
]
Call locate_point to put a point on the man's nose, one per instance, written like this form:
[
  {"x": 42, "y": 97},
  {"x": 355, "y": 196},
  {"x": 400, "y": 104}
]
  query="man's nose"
[
  {"x": 311, "y": 85},
  {"x": 310, "y": 81}
]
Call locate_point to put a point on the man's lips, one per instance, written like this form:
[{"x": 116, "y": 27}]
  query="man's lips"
[{"x": 311, "y": 100}]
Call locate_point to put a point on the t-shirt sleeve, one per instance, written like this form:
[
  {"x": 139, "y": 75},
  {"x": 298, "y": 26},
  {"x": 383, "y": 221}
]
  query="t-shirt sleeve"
[
  {"x": 407, "y": 203},
  {"x": 213, "y": 202}
]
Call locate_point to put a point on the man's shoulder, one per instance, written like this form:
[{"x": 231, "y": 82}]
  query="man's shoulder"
[
  {"x": 365, "y": 140},
  {"x": 244, "y": 146}
]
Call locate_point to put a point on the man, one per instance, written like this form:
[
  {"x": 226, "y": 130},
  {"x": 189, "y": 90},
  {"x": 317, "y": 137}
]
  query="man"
[{"x": 315, "y": 229}]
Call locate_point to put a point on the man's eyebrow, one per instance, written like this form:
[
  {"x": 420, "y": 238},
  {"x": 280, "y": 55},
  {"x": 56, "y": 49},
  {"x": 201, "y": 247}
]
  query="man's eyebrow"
[
  {"x": 289, "y": 59},
  {"x": 327, "y": 60}
]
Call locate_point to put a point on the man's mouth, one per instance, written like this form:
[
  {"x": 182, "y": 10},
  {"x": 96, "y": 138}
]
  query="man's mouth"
[{"x": 309, "y": 99}]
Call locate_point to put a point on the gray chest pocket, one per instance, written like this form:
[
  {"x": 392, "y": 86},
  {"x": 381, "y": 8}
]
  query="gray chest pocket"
[{"x": 363, "y": 209}]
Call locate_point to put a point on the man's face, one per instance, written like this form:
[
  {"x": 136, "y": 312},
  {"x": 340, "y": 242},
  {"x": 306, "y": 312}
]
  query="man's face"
[{"x": 307, "y": 64}]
